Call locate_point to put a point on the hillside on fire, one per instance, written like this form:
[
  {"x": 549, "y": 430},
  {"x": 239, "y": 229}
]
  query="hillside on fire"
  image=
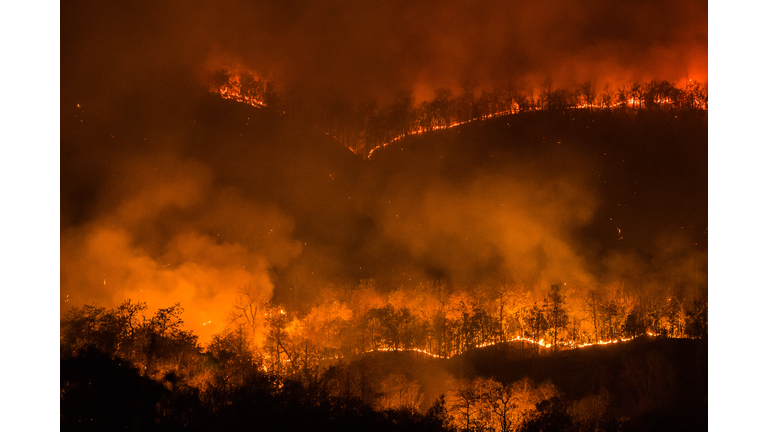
[
  {"x": 246, "y": 199},
  {"x": 330, "y": 258},
  {"x": 323, "y": 216}
]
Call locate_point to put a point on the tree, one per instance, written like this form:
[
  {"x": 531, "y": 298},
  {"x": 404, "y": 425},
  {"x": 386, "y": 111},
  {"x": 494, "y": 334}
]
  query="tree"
[
  {"x": 156, "y": 346},
  {"x": 606, "y": 97},
  {"x": 468, "y": 109},
  {"x": 622, "y": 95},
  {"x": 441, "y": 105},
  {"x": 276, "y": 338},
  {"x": 536, "y": 323},
  {"x": 485, "y": 104},
  {"x": 79, "y": 328},
  {"x": 251, "y": 88},
  {"x": 400, "y": 392},
  {"x": 504, "y": 302},
  {"x": 696, "y": 96},
  {"x": 503, "y": 405},
  {"x": 362, "y": 300},
  {"x": 591, "y": 300},
  {"x": 392, "y": 323},
  {"x": 545, "y": 94},
  {"x": 437, "y": 415},
  {"x": 426, "y": 117},
  {"x": 662, "y": 94},
  {"x": 250, "y": 310},
  {"x": 636, "y": 94},
  {"x": 551, "y": 415},
  {"x": 499, "y": 401},
  {"x": 167, "y": 346},
  {"x": 463, "y": 403},
  {"x": 233, "y": 352},
  {"x": 557, "y": 318},
  {"x": 615, "y": 307},
  {"x": 589, "y": 411},
  {"x": 588, "y": 93},
  {"x": 696, "y": 320},
  {"x": 399, "y": 115},
  {"x": 324, "y": 324}
]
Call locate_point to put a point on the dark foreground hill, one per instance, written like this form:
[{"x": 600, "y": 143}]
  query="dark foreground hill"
[
  {"x": 659, "y": 383},
  {"x": 645, "y": 384}
]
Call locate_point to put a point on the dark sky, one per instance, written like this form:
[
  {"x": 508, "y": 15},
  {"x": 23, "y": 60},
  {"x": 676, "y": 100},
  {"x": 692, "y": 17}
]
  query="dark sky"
[{"x": 168, "y": 199}]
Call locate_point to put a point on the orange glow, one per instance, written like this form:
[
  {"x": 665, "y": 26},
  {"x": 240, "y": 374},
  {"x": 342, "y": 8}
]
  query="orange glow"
[
  {"x": 234, "y": 94},
  {"x": 233, "y": 89},
  {"x": 541, "y": 343}
]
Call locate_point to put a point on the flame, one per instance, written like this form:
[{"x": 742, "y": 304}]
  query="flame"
[
  {"x": 541, "y": 343},
  {"x": 227, "y": 92},
  {"x": 233, "y": 89},
  {"x": 420, "y": 130},
  {"x": 513, "y": 110}
]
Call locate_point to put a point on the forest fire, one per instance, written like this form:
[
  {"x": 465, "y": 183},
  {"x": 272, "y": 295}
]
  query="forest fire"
[
  {"x": 242, "y": 87},
  {"x": 541, "y": 343},
  {"x": 229, "y": 93},
  {"x": 259, "y": 273}
]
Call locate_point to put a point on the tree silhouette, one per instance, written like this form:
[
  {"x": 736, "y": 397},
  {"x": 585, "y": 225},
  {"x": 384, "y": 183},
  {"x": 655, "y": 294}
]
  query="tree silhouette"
[
  {"x": 588, "y": 93},
  {"x": 464, "y": 403},
  {"x": 550, "y": 416},
  {"x": 696, "y": 320},
  {"x": 557, "y": 318},
  {"x": 536, "y": 323},
  {"x": 251, "y": 87}
]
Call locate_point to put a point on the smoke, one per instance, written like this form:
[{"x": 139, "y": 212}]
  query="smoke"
[
  {"x": 493, "y": 227},
  {"x": 673, "y": 268},
  {"x": 167, "y": 234},
  {"x": 348, "y": 50}
]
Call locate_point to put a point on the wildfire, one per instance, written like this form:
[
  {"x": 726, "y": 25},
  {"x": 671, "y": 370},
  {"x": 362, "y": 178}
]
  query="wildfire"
[
  {"x": 541, "y": 343},
  {"x": 513, "y": 110},
  {"x": 420, "y": 130},
  {"x": 233, "y": 93},
  {"x": 241, "y": 86}
]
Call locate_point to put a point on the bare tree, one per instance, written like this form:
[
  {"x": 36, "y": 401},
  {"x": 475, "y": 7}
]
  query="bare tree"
[
  {"x": 464, "y": 403},
  {"x": 557, "y": 318},
  {"x": 498, "y": 400},
  {"x": 398, "y": 392},
  {"x": 588, "y": 92},
  {"x": 591, "y": 301}
]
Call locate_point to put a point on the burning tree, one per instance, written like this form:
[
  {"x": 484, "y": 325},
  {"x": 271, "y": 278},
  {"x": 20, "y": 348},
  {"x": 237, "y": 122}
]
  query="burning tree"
[
  {"x": 464, "y": 404},
  {"x": 557, "y": 318},
  {"x": 400, "y": 392}
]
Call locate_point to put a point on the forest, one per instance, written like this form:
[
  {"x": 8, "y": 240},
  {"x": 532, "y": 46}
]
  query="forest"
[{"x": 321, "y": 366}]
